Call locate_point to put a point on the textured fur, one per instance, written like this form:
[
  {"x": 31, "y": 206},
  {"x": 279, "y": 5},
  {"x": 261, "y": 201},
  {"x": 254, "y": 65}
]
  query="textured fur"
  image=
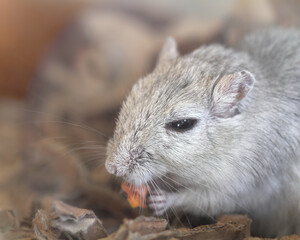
[{"x": 247, "y": 161}]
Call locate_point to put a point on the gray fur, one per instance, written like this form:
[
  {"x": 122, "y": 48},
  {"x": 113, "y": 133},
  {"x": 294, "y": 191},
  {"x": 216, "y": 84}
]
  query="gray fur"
[{"x": 247, "y": 161}]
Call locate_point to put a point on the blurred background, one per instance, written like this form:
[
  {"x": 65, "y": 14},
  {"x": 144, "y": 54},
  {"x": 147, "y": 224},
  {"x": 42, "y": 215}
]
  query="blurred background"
[{"x": 66, "y": 66}]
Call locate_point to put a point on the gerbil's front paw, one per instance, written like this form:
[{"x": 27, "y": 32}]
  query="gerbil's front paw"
[{"x": 158, "y": 202}]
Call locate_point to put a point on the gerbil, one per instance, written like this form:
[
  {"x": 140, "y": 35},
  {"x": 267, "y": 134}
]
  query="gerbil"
[{"x": 218, "y": 131}]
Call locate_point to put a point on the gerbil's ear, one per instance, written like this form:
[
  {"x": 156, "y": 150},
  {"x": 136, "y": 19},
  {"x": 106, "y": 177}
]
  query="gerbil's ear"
[
  {"x": 168, "y": 51},
  {"x": 229, "y": 91}
]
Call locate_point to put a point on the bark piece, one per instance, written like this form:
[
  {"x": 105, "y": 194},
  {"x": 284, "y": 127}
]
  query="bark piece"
[
  {"x": 290, "y": 237},
  {"x": 231, "y": 227},
  {"x": 77, "y": 222},
  {"x": 60, "y": 219},
  {"x": 13, "y": 229},
  {"x": 146, "y": 225},
  {"x": 42, "y": 226},
  {"x": 8, "y": 220}
]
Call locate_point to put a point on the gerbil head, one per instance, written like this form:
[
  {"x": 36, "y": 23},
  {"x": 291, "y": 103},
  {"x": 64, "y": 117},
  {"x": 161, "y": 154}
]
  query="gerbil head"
[{"x": 178, "y": 119}]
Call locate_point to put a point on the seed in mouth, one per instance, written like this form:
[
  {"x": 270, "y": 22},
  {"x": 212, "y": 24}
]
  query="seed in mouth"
[{"x": 135, "y": 196}]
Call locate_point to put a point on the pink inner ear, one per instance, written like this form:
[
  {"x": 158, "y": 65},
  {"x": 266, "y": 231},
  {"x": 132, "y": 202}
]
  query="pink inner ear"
[
  {"x": 225, "y": 84},
  {"x": 168, "y": 51},
  {"x": 229, "y": 91},
  {"x": 242, "y": 92}
]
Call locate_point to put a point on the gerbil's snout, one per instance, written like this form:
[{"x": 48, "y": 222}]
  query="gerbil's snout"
[
  {"x": 111, "y": 168},
  {"x": 115, "y": 168},
  {"x": 122, "y": 163}
]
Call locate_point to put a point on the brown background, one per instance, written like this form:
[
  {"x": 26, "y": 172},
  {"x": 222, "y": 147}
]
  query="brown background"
[{"x": 27, "y": 27}]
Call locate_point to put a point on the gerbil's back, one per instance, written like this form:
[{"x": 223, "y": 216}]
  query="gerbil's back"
[{"x": 277, "y": 53}]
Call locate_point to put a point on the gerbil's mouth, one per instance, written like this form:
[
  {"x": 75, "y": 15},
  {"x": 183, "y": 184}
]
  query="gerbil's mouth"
[
  {"x": 139, "y": 182},
  {"x": 153, "y": 183},
  {"x": 136, "y": 197}
]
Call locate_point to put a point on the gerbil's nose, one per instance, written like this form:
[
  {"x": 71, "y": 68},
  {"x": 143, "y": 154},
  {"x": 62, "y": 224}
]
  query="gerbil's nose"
[{"x": 112, "y": 168}]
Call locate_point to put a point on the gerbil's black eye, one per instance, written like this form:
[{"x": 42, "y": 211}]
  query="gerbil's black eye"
[{"x": 181, "y": 125}]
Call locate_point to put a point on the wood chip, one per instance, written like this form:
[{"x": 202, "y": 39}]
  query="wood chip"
[
  {"x": 77, "y": 222},
  {"x": 42, "y": 226},
  {"x": 233, "y": 227},
  {"x": 63, "y": 219},
  {"x": 8, "y": 220},
  {"x": 145, "y": 225}
]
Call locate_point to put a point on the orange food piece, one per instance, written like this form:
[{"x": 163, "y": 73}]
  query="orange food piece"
[{"x": 135, "y": 196}]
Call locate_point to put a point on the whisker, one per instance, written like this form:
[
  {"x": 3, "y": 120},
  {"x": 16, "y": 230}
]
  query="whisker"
[{"x": 79, "y": 125}]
